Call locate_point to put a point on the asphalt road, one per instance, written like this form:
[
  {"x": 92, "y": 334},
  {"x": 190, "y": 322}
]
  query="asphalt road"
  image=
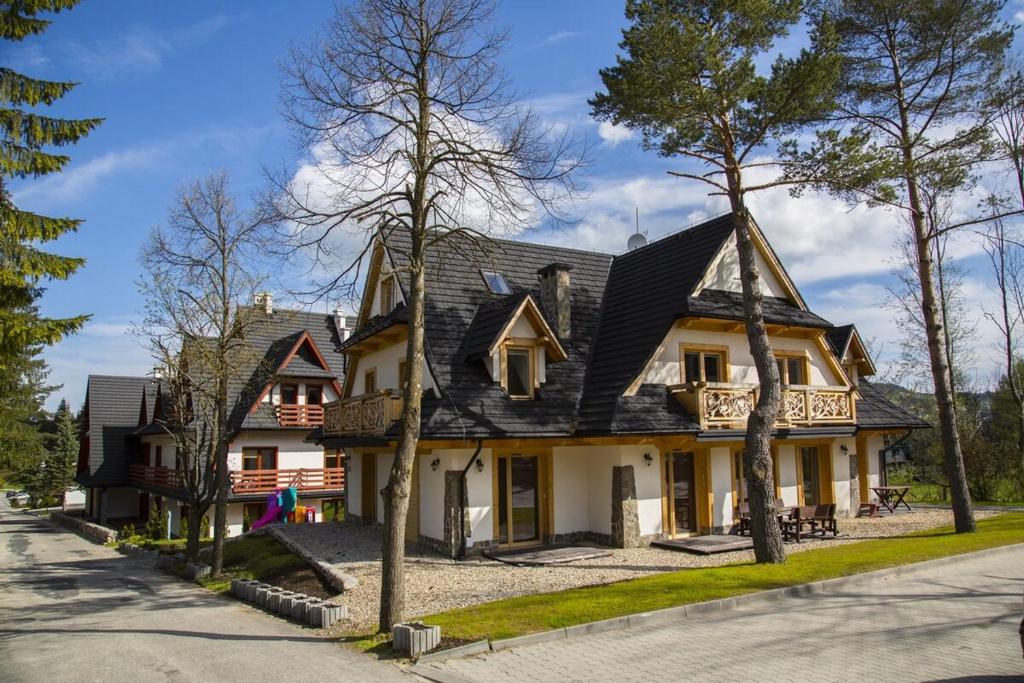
[{"x": 71, "y": 610}]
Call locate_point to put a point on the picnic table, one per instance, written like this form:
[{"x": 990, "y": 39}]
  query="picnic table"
[{"x": 892, "y": 496}]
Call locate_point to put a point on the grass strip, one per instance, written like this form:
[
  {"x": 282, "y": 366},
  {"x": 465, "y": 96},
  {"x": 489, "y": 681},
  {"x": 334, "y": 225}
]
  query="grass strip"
[{"x": 532, "y": 613}]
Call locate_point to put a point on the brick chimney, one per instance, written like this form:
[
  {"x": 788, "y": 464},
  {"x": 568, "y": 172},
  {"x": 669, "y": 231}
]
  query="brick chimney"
[
  {"x": 555, "y": 298},
  {"x": 340, "y": 324}
]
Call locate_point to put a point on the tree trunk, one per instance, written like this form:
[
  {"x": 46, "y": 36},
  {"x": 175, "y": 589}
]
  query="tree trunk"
[
  {"x": 222, "y": 478},
  {"x": 963, "y": 512},
  {"x": 396, "y": 493},
  {"x": 757, "y": 457},
  {"x": 195, "y": 522}
]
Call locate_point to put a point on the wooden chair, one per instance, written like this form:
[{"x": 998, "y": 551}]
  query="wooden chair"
[{"x": 743, "y": 515}]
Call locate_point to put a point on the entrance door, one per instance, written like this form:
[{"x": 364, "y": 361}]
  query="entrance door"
[
  {"x": 368, "y": 478},
  {"x": 681, "y": 487},
  {"x": 519, "y": 499}
]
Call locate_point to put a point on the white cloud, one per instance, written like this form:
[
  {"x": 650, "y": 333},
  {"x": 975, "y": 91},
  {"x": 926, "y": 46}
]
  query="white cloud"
[
  {"x": 555, "y": 38},
  {"x": 613, "y": 134}
]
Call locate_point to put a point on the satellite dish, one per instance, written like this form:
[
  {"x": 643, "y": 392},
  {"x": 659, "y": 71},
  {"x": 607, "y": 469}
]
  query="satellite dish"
[{"x": 635, "y": 241}]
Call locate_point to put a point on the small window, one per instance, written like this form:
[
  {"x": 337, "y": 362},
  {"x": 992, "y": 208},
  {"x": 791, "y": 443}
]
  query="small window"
[
  {"x": 792, "y": 370},
  {"x": 496, "y": 282},
  {"x": 387, "y": 295},
  {"x": 159, "y": 459},
  {"x": 519, "y": 375},
  {"x": 289, "y": 394},
  {"x": 314, "y": 394},
  {"x": 370, "y": 382},
  {"x": 259, "y": 458},
  {"x": 703, "y": 366},
  {"x": 332, "y": 459}
]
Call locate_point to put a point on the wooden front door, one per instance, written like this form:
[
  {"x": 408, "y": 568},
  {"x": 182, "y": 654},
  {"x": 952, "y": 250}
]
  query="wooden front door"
[
  {"x": 520, "y": 485},
  {"x": 681, "y": 492},
  {"x": 368, "y": 478}
]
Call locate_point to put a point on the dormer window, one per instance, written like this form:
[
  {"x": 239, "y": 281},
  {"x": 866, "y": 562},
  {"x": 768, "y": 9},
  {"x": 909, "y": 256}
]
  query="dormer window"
[
  {"x": 289, "y": 394},
  {"x": 519, "y": 372},
  {"x": 496, "y": 282}
]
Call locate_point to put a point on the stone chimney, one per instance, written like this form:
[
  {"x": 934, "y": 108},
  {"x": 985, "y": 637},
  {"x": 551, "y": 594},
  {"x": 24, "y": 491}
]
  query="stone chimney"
[
  {"x": 264, "y": 301},
  {"x": 555, "y": 298},
  {"x": 340, "y": 326}
]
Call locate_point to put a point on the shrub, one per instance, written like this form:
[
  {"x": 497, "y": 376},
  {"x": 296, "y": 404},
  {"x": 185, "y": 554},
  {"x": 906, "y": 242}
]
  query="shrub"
[
  {"x": 183, "y": 527},
  {"x": 127, "y": 531},
  {"x": 204, "y": 527},
  {"x": 155, "y": 524}
]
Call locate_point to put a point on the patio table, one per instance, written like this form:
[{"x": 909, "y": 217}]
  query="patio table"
[{"x": 892, "y": 496}]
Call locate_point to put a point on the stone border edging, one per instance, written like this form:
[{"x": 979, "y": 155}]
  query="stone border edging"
[
  {"x": 288, "y": 604},
  {"x": 338, "y": 580},
  {"x": 93, "y": 531},
  {"x": 670, "y": 614},
  {"x": 165, "y": 561}
]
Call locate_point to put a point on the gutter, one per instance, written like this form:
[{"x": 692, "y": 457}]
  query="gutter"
[{"x": 463, "y": 495}]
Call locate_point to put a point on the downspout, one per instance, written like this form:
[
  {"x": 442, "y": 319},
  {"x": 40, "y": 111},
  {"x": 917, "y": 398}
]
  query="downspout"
[{"x": 463, "y": 495}]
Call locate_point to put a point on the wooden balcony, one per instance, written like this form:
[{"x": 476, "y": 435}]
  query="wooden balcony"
[
  {"x": 365, "y": 415},
  {"x": 164, "y": 477},
  {"x": 296, "y": 415},
  {"x": 719, "y": 405},
  {"x": 265, "y": 481}
]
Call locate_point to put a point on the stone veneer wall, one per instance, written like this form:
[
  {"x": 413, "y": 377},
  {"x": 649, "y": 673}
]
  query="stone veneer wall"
[{"x": 625, "y": 513}]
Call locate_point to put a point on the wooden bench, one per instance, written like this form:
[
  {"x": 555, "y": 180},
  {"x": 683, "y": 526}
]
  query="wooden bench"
[
  {"x": 743, "y": 515},
  {"x": 820, "y": 518}
]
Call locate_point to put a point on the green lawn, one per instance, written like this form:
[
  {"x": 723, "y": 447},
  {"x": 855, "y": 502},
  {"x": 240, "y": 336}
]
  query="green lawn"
[{"x": 533, "y": 613}]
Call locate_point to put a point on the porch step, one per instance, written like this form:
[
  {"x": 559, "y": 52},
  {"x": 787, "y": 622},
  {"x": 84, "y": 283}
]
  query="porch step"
[{"x": 707, "y": 545}]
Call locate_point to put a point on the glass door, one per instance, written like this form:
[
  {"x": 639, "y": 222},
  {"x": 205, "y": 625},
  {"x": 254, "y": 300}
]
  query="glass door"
[
  {"x": 811, "y": 481},
  {"x": 518, "y": 499},
  {"x": 682, "y": 494}
]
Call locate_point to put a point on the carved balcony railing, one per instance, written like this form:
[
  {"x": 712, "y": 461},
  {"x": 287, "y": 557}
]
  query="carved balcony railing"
[
  {"x": 164, "y": 477},
  {"x": 365, "y": 415},
  {"x": 718, "y": 405},
  {"x": 295, "y": 415},
  {"x": 265, "y": 481}
]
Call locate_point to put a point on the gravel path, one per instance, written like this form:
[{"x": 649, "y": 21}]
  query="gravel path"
[{"x": 435, "y": 584}]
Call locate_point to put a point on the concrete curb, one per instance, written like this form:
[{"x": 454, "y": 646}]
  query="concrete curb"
[
  {"x": 338, "y": 580},
  {"x": 672, "y": 614},
  {"x": 284, "y": 603}
]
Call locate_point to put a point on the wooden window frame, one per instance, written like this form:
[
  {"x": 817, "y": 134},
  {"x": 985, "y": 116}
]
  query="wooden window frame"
[
  {"x": 158, "y": 455},
  {"x": 333, "y": 453},
  {"x": 545, "y": 492},
  {"x": 531, "y": 360},
  {"x": 701, "y": 349},
  {"x": 318, "y": 387},
  {"x": 802, "y": 356},
  {"x": 281, "y": 392},
  {"x": 261, "y": 448},
  {"x": 388, "y": 300},
  {"x": 370, "y": 372}
]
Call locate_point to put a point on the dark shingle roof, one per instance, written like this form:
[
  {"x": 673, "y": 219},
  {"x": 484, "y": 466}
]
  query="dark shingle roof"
[
  {"x": 839, "y": 338},
  {"x": 716, "y": 303},
  {"x": 647, "y": 291},
  {"x": 398, "y": 316},
  {"x": 488, "y": 323},
  {"x": 113, "y": 405},
  {"x": 469, "y": 403},
  {"x": 875, "y": 411}
]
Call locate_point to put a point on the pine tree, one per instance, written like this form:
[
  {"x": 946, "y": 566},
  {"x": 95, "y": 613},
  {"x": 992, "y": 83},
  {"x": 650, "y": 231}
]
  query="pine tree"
[
  {"x": 23, "y": 390},
  {"x": 25, "y": 134},
  {"x": 63, "y": 457}
]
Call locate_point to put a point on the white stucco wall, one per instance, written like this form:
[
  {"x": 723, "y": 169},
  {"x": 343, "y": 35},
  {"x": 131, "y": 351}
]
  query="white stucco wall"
[
  {"x": 353, "y": 484},
  {"x": 666, "y": 369},
  {"x": 573, "y": 491},
  {"x": 841, "y": 471},
  {"x": 875, "y": 446},
  {"x": 385, "y": 362},
  {"x": 167, "y": 450},
  {"x": 293, "y": 451},
  {"x": 329, "y": 394},
  {"x": 787, "y": 474},
  {"x": 722, "y": 503},
  {"x": 724, "y": 273}
]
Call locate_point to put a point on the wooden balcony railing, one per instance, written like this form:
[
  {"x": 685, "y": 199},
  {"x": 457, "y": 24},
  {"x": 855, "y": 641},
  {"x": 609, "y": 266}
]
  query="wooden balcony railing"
[
  {"x": 365, "y": 415},
  {"x": 265, "y": 481},
  {"x": 166, "y": 477},
  {"x": 728, "y": 405},
  {"x": 296, "y": 415}
]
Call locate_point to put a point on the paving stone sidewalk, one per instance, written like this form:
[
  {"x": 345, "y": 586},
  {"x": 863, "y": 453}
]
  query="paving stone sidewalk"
[{"x": 954, "y": 622}]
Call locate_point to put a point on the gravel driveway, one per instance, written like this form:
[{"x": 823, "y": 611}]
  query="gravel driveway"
[{"x": 435, "y": 584}]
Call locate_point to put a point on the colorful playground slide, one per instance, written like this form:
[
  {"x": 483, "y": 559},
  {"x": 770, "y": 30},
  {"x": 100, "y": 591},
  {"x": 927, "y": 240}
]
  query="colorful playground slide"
[{"x": 279, "y": 504}]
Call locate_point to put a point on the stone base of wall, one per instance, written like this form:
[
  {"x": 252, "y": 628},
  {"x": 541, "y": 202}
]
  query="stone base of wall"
[
  {"x": 91, "y": 530},
  {"x": 625, "y": 513}
]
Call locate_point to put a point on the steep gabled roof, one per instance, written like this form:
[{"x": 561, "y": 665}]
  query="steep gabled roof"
[
  {"x": 113, "y": 405},
  {"x": 875, "y": 411},
  {"x": 845, "y": 339}
]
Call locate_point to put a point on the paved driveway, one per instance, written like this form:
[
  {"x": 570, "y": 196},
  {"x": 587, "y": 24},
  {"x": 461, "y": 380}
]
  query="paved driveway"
[
  {"x": 74, "y": 611},
  {"x": 955, "y": 623}
]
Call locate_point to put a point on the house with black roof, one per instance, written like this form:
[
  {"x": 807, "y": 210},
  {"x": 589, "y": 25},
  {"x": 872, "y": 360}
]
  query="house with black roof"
[
  {"x": 577, "y": 395},
  {"x": 288, "y": 370}
]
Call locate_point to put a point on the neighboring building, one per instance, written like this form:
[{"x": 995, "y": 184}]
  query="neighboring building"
[
  {"x": 130, "y": 464},
  {"x": 607, "y": 395}
]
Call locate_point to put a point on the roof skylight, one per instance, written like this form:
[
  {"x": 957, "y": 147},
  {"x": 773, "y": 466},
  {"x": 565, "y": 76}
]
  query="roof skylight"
[{"x": 496, "y": 282}]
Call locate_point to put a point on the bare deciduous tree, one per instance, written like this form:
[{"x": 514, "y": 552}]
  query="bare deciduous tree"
[
  {"x": 413, "y": 132},
  {"x": 199, "y": 268}
]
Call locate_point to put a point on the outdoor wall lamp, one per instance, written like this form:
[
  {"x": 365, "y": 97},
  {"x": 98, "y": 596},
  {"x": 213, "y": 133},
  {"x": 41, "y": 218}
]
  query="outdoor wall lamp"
[
  {"x": 434, "y": 464},
  {"x": 844, "y": 448},
  {"x": 479, "y": 465},
  {"x": 648, "y": 459}
]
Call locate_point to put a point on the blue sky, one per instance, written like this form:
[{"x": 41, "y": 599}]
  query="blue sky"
[{"x": 190, "y": 88}]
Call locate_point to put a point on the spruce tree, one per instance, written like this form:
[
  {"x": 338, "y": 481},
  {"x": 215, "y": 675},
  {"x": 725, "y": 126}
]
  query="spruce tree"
[
  {"x": 63, "y": 457},
  {"x": 26, "y": 135}
]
